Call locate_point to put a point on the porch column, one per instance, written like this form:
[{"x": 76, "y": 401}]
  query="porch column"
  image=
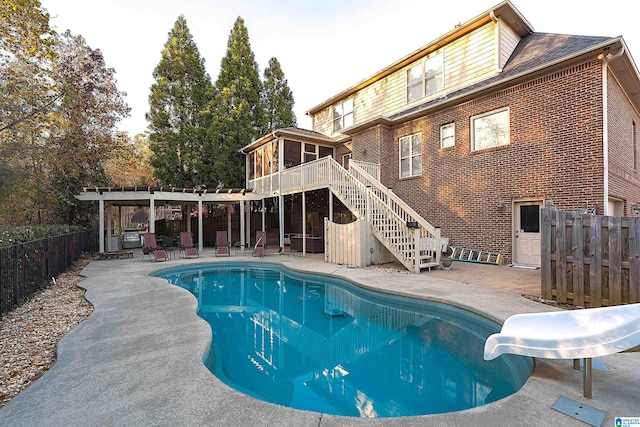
[
  {"x": 243, "y": 231},
  {"x": 200, "y": 235},
  {"x": 152, "y": 214},
  {"x": 189, "y": 217},
  {"x": 229, "y": 224},
  {"x": 248, "y": 231},
  {"x": 109, "y": 220},
  {"x": 281, "y": 220},
  {"x": 304, "y": 223},
  {"x": 264, "y": 213},
  {"x": 101, "y": 225}
]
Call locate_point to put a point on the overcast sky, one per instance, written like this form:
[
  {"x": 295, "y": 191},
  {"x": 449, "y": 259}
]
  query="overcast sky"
[{"x": 323, "y": 46}]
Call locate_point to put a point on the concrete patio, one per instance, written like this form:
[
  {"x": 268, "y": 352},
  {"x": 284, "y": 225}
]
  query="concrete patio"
[{"x": 138, "y": 359}]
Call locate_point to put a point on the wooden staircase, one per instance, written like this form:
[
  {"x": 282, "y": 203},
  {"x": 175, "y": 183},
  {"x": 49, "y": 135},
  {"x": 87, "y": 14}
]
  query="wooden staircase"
[{"x": 408, "y": 236}]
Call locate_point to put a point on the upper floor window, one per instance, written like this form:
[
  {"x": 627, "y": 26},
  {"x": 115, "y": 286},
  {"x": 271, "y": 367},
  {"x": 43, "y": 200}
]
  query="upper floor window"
[
  {"x": 490, "y": 129},
  {"x": 343, "y": 115},
  {"x": 410, "y": 148},
  {"x": 448, "y": 135},
  {"x": 425, "y": 78}
]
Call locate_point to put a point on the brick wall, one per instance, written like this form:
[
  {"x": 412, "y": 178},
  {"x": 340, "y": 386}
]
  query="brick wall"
[
  {"x": 555, "y": 153},
  {"x": 624, "y": 167}
]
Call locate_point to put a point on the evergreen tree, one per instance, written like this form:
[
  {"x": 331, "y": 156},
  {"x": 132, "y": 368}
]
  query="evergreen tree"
[
  {"x": 178, "y": 113},
  {"x": 238, "y": 117},
  {"x": 277, "y": 99}
]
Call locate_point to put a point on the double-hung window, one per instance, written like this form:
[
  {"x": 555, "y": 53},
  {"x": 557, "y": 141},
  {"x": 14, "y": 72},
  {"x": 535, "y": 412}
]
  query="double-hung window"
[
  {"x": 448, "y": 135},
  {"x": 425, "y": 78},
  {"x": 343, "y": 115},
  {"x": 490, "y": 129},
  {"x": 410, "y": 148}
]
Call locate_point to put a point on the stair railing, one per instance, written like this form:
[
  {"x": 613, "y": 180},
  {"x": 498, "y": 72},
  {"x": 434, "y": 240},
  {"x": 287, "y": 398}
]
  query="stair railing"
[
  {"x": 392, "y": 220},
  {"x": 429, "y": 236}
]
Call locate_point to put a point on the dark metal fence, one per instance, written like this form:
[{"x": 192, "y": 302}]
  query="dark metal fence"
[{"x": 26, "y": 268}]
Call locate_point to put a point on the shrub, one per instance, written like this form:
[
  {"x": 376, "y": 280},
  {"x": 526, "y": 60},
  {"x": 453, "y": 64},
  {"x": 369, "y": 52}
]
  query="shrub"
[{"x": 26, "y": 233}]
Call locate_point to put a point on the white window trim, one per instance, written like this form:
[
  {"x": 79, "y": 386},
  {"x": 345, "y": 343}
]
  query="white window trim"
[
  {"x": 410, "y": 157},
  {"x": 487, "y": 114},
  {"x": 442, "y": 136},
  {"x": 423, "y": 80},
  {"x": 341, "y": 119}
]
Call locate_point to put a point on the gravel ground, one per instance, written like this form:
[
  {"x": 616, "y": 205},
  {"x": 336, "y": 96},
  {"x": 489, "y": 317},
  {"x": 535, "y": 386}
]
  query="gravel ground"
[{"x": 30, "y": 333}]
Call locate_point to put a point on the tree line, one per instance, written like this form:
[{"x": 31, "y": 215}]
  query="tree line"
[
  {"x": 60, "y": 106},
  {"x": 197, "y": 128}
]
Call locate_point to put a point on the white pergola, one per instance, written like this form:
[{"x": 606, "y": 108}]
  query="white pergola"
[{"x": 150, "y": 196}]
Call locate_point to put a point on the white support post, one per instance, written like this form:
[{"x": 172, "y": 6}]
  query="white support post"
[
  {"x": 229, "y": 238},
  {"x": 304, "y": 224},
  {"x": 281, "y": 220},
  {"x": 189, "y": 217},
  {"x": 200, "y": 234},
  {"x": 109, "y": 228},
  {"x": 101, "y": 225},
  {"x": 248, "y": 237},
  {"x": 152, "y": 214},
  {"x": 243, "y": 231},
  {"x": 264, "y": 213}
]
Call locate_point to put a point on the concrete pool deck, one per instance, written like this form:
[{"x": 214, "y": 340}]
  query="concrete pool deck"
[{"x": 137, "y": 360}]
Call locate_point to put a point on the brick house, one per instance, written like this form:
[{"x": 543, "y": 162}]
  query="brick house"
[{"x": 476, "y": 131}]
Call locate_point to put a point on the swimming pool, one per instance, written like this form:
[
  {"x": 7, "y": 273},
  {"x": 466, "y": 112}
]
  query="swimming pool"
[{"x": 322, "y": 344}]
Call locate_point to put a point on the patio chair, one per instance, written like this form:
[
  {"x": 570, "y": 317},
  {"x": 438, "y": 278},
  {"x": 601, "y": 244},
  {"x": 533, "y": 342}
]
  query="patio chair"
[
  {"x": 150, "y": 247},
  {"x": 223, "y": 247},
  {"x": 186, "y": 245},
  {"x": 261, "y": 244}
]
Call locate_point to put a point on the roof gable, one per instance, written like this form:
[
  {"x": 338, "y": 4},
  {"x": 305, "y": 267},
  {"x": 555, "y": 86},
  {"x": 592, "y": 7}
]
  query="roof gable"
[{"x": 504, "y": 11}]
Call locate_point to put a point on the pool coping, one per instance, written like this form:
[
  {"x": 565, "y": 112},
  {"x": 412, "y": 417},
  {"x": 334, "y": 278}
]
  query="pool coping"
[{"x": 137, "y": 360}]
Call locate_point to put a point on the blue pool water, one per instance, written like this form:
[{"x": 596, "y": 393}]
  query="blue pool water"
[{"x": 321, "y": 344}]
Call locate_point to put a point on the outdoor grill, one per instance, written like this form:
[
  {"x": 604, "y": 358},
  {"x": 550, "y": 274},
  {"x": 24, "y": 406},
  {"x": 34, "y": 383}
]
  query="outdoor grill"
[{"x": 131, "y": 238}]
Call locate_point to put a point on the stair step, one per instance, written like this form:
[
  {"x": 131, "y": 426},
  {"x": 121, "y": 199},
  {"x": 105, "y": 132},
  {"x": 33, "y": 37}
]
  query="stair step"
[{"x": 428, "y": 265}]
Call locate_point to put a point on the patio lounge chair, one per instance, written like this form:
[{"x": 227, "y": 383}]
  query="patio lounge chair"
[
  {"x": 569, "y": 334},
  {"x": 150, "y": 247},
  {"x": 223, "y": 247},
  {"x": 186, "y": 245},
  {"x": 261, "y": 244}
]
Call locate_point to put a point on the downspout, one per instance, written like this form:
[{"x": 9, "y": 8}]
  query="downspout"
[{"x": 605, "y": 139}]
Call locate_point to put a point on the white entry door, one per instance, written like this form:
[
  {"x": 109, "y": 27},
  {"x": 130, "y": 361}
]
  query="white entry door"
[{"x": 527, "y": 232}]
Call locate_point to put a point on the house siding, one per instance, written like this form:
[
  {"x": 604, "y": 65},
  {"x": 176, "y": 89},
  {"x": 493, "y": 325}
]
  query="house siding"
[
  {"x": 624, "y": 176},
  {"x": 509, "y": 39},
  {"x": 555, "y": 153},
  {"x": 467, "y": 60}
]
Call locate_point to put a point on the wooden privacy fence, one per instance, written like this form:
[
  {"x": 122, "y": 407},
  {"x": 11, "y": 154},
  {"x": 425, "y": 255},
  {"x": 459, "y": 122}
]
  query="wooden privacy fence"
[
  {"x": 353, "y": 244},
  {"x": 590, "y": 260}
]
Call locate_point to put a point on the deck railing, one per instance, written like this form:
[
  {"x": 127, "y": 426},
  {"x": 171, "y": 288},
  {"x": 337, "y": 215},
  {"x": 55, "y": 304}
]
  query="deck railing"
[
  {"x": 427, "y": 234},
  {"x": 373, "y": 169},
  {"x": 400, "y": 229}
]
